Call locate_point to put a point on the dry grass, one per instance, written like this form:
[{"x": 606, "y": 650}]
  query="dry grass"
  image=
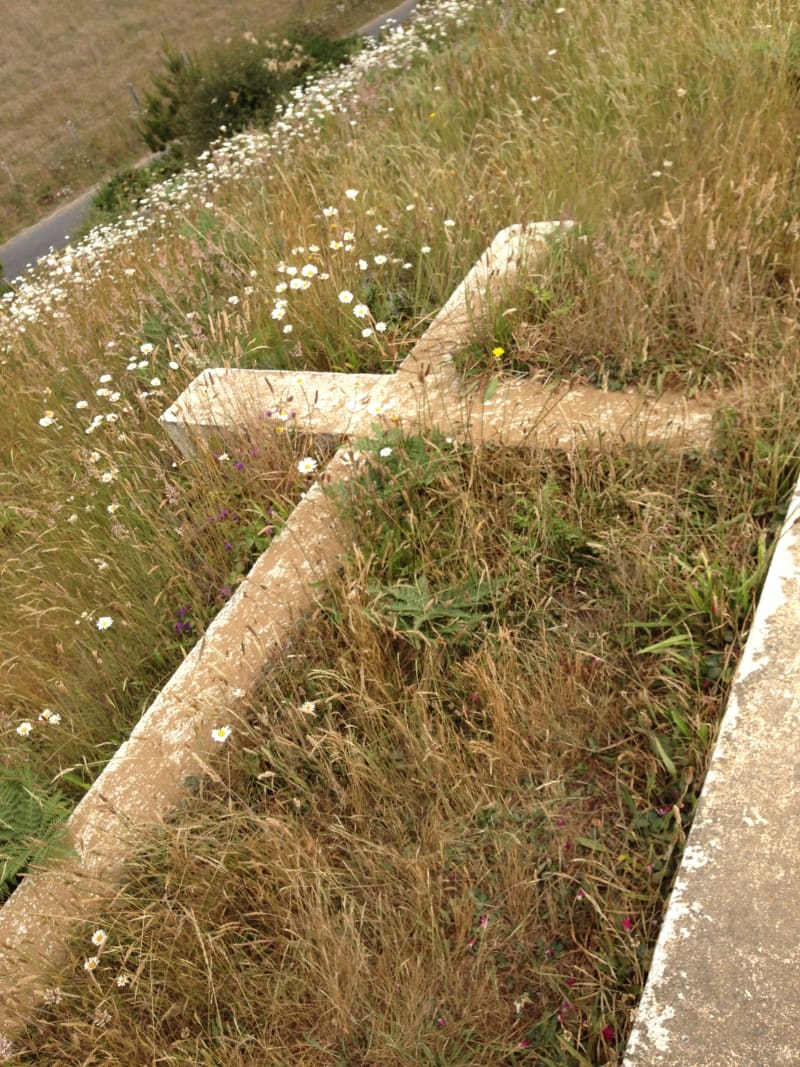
[
  {"x": 460, "y": 853},
  {"x": 69, "y": 117},
  {"x": 686, "y": 278}
]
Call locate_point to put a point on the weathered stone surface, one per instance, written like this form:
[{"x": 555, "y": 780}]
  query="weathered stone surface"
[
  {"x": 312, "y": 401},
  {"x": 724, "y": 985},
  {"x": 508, "y": 410}
]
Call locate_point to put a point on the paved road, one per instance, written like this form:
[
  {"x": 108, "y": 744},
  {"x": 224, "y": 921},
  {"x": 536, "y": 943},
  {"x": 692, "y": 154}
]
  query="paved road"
[
  {"x": 399, "y": 14},
  {"x": 54, "y": 231},
  {"x": 42, "y": 237}
]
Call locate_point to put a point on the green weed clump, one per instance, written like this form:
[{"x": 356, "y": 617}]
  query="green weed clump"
[{"x": 32, "y": 820}]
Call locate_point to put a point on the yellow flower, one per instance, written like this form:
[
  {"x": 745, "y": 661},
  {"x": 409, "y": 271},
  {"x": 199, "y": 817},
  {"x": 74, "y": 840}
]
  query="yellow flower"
[{"x": 498, "y": 352}]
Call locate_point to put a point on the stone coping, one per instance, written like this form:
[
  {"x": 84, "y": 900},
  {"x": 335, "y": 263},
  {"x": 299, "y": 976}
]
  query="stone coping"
[{"x": 724, "y": 984}]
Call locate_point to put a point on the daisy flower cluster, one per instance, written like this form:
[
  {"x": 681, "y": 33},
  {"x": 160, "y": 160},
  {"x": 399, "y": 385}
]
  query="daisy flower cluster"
[
  {"x": 46, "y": 716},
  {"x": 346, "y": 262},
  {"x": 91, "y": 963},
  {"x": 111, "y": 397}
]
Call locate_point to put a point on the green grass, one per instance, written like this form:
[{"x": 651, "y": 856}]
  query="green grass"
[{"x": 593, "y": 605}]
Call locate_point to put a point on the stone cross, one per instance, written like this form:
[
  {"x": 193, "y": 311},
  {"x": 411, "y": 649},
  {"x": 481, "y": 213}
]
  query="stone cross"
[{"x": 172, "y": 741}]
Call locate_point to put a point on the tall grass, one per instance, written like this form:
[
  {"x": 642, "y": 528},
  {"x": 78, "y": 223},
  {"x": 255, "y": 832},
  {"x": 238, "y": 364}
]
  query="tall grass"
[
  {"x": 678, "y": 160},
  {"x": 445, "y": 828}
]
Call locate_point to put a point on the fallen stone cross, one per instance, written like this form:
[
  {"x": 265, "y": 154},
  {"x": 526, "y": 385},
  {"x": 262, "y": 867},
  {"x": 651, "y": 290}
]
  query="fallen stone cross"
[{"x": 170, "y": 744}]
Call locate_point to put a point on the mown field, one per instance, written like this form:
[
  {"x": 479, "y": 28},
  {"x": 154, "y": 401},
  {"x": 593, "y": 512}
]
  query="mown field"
[
  {"x": 444, "y": 830},
  {"x": 69, "y": 117}
]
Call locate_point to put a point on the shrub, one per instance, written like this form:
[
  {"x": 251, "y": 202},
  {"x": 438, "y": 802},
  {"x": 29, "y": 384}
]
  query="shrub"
[{"x": 234, "y": 85}]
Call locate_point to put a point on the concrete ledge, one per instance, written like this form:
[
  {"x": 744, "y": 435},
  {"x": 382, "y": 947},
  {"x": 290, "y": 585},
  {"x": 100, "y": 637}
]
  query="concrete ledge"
[{"x": 724, "y": 985}]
